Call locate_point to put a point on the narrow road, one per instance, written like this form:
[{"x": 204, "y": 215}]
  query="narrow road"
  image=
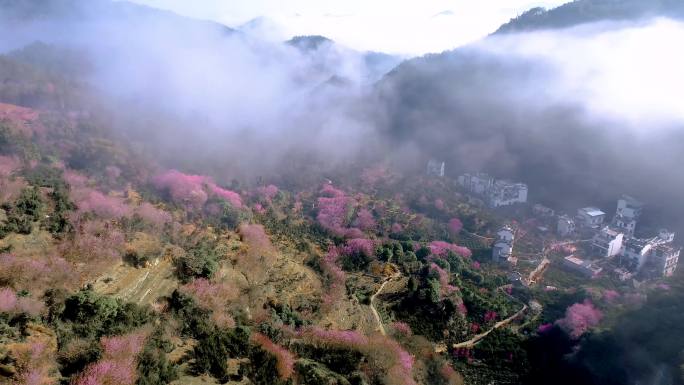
[
  {"x": 473, "y": 341},
  {"x": 381, "y": 327}
]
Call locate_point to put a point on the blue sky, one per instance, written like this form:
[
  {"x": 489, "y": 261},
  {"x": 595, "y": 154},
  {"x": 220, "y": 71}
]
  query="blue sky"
[{"x": 397, "y": 26}]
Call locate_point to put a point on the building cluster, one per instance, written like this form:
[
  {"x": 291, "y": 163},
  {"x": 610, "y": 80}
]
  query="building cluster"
[
  {"x": 656, "y": 256},
  {"x": 496, "y": 193}
]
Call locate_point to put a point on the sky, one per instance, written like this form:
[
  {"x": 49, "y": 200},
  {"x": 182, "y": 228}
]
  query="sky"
[{"x": 410, "y": 27}]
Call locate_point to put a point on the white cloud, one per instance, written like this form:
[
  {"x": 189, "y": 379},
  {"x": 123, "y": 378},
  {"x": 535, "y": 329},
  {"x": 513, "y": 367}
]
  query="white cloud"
[
  {"x": 399, "y": 26},
  {"x": 629, "y": 73}
]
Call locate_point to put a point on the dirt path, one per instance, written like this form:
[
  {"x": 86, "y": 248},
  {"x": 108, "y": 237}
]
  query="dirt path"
[
  {"x": 376, "y": 315},
  {"x": 473, "y": 341},
  {"x": 537, "y": 274}
]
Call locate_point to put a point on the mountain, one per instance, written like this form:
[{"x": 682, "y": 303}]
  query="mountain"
[
  {"x": 66, "y": 21},
  {"x": 329, "y": 56},
  {"x": 520, "y": 106},
  {"x": 587, "y": 11}
]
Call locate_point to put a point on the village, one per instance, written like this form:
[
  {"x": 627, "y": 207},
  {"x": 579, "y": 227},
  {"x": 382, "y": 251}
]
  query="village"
[{"x": 590, "y": 244}]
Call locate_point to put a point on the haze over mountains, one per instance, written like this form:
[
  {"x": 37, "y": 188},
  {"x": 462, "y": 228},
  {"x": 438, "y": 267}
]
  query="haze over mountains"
[
  {"x": 239, "y": 203},
  {"x": 515, "y": 104}
]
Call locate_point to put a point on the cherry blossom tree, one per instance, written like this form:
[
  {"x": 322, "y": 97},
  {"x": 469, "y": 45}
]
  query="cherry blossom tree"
[
  {"x": 365, "y": 220},
  {"x": 152, "y": 215},
  {"x": 455, "y": 225},
  {"x": 284, "y": 359},
  {"x": 579, "y": 318},
  {"x": 441, "y": 248},
  {"x": 334, "y": 208},
  {"x": 359, "y": 246},
  {"x": 267, "y": 193},
  {"x": 118, "y": 363},
  {"x": 104, "y": 206},
  {"x": 183, "y": 188}
]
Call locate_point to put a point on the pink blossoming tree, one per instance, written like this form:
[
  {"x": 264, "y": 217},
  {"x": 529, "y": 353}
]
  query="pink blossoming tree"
[
  {"x": 579, "y": 318},
  {"x": 284, "y": 359}
]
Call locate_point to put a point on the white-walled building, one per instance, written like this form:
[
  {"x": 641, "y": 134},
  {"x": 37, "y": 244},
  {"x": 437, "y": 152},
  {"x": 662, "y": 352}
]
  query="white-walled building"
[
  {"x": 608, "y": 242},
  {"x": 435, "y": 168},
  {"x": 496, "y": 193},
  {"x": 505, "y": 193},
  {"x": 664, "y": 260},
  {"x": 590, "y": 217},
  {"x": 657, "y": 255},
  {"x": 566, "y": 226},
  {"x": 627, "y": 214},
  {"x": 635, "y": 253},
  {"x": 478, "y": 183},
  {"x": 502, "y": 250},
  {"x": 629, "y": 207}
]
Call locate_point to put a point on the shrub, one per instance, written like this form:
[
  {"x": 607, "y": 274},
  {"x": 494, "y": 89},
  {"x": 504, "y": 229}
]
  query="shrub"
[
  {"x": 93, "y": 315},
  {"x": 213, "y": 350},
  {"x": 200, "y": 261},
  {"x": 153, "y": 366}
]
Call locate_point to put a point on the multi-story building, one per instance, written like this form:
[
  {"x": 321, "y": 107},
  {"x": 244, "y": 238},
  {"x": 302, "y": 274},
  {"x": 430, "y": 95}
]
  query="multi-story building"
[
  {"x": 590, "y": 217},
  {"x": 505, "y": 193},
  {"x": 627, "y": 214},
  {"x": 635, "y": 253},
  {"x": 435, "y": 168},
  {"x": 657, "y": 256},
  {"x": 629, "y": 207},
  {"x": 502, "y": 250},
  {"x": 496, "y": 193},
  {"x": 664, "y": 260},
  {"x": 608, "y": 242},
  {"x": 566, "y": 226},
  {"x": 478, "y": 183}
]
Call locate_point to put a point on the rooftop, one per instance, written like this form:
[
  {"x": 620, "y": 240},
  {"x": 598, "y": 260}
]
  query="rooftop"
[{"x": 593, "y": 211}]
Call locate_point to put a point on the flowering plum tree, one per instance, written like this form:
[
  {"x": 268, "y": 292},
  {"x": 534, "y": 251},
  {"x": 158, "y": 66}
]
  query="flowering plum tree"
[
  {"x": 455, "y": 225},
  {"x": 365, "y": 220},
  {"x": 284, "y": 359},
  {"x": 579, "y": 318}
]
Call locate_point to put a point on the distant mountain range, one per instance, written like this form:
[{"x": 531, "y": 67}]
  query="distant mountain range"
[
  {"x": 587, "y": 11},
  {"x": 482, "y": 109}
]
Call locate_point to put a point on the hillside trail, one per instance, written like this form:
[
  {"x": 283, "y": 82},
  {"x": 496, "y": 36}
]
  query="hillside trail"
[
  {"x": 376, "y": 315},
  {"x": 475, "y": 340}
]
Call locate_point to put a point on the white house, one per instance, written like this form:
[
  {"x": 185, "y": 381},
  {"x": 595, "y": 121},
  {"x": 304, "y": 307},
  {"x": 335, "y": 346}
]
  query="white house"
[
  {"x": 665, "y": 258},
  {"x": 435, "y": 168},
  {"x": 608, "y": 242},
  {"x": 502, "y": 250},
  {"x": 478, "y": 183},
  {"x": 629, "y": 207},
  {"x": 504, "y": 193},
  {"x": 627, "y": 213},
  {"x": 566, "y": 226},
  {"x": 590, "y": 217},
  {"x": 635, "y": 253},
  {"x": 496, "y": 193},
  {"x": 657, "y": 254}
]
